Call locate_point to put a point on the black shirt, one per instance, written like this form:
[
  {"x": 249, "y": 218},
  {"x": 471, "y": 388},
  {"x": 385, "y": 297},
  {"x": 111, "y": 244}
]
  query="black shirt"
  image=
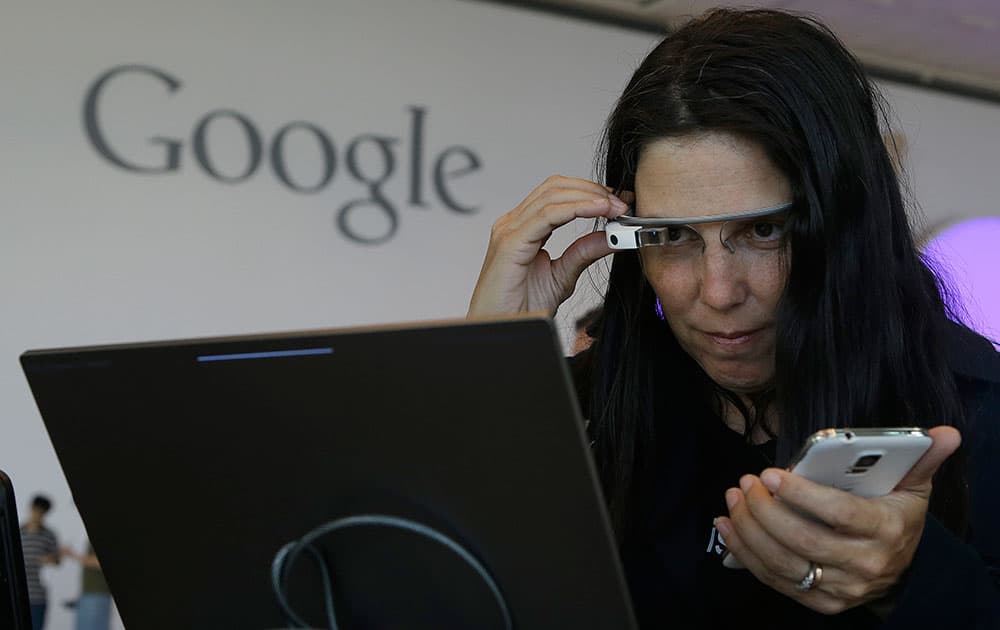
[
  {"x": 673, "y": 564},
  {"x": 673, "y": 559}
]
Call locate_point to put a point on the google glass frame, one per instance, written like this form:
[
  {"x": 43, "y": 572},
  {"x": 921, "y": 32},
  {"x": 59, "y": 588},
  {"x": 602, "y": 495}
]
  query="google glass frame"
[{"x": 625, "y": 232}]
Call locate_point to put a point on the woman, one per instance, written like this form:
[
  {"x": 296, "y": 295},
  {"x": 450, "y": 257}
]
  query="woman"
[{"x": 728, "y": 341}]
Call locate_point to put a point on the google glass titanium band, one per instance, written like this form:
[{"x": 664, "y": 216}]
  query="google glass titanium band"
[{"x": 623, "y": 233}]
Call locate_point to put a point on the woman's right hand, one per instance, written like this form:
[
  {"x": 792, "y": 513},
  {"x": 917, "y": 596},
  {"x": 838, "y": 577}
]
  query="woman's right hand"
[{"x": 519, "y": 276}]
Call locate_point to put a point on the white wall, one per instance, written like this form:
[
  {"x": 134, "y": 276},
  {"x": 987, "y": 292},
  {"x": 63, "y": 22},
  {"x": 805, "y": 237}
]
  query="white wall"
[
  {"x": 91, "y": 253},
  {"x": 953, "y": 149}
]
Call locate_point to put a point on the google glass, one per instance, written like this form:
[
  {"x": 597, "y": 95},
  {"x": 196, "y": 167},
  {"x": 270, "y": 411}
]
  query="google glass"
[{"x": 630, "y": 232}]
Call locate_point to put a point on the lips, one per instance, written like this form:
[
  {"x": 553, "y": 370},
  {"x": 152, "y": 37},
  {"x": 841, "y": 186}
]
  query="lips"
[
  {"x": 732, "y": 335},
  {"x": 734, "y": 338}
]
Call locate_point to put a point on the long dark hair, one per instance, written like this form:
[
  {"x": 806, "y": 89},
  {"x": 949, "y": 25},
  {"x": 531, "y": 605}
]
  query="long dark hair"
[{"x": 861, "y": 323}]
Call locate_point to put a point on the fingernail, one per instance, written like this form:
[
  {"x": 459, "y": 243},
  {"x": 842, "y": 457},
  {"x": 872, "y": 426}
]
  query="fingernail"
[
  {"x": 746, "y": 482},
  {"x": 722, "y": 526},
  {"x": 732, "y": 498},
  {"x": 771, "y": 479},
  {"x": 618, "y": 203}
]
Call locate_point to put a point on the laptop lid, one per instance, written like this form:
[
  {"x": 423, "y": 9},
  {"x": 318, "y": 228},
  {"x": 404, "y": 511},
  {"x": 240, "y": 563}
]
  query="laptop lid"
[{"x": 194, "y": 462}]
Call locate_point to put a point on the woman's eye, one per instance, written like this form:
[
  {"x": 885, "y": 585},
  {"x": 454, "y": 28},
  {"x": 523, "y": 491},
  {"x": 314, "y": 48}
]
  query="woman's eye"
[
  {"x": 679, "y": 234},
  {"x": 767, "y": 231}
]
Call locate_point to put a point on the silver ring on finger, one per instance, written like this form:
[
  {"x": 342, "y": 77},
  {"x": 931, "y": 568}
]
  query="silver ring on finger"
[{"x": 811, "y": 578}]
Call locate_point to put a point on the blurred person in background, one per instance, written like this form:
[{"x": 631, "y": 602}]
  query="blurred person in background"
[
  {"x": 40, "y": 548},
  {"x": 93, "y": 609}
]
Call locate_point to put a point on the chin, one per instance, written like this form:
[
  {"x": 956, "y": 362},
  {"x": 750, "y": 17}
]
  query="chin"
[{"x": 741, "y": 382}]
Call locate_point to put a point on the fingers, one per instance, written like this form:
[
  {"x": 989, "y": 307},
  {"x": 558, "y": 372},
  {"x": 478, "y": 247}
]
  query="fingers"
[
  {"x": 540, "y": 224},
  {"x": 561, "y": 181},
  {"x": 855, "y": 515},
  {"x": 775, "y": 563},
  {"x": 518, "y": 235},
  {"x": 567, "y": 183},
  {"x": 582, "y": 253},
  {"x": 824, "y": 596},
  {"x": 555, "y": 196},
  {"x": 556, "y": 202},
  {"x": 777, "y": 559},
  {"x": 800, "y": 535},
  {"x": 517, "y": 275},
  {"x": 846, "y": 513},
  {"x": 946, "y": 441},
  {"x": 872, "y": 540},
  {"x": 558, "y": 189}
]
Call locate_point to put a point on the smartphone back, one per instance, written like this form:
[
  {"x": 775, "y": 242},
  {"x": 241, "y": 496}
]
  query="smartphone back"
[
  {"x": 866, "y": 462},
  {"x": 15, "y": 612}
]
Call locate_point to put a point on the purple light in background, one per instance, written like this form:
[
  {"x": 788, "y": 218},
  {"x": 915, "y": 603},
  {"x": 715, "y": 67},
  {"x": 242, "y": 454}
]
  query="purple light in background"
[{"x": 966, "y": 255}]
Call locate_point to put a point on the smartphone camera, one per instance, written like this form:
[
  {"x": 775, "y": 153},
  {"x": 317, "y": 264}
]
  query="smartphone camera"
[{"x": 865, "y": 462}]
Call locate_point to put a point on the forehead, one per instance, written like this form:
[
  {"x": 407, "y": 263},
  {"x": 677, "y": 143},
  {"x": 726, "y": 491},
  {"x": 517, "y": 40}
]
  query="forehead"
[{"x": 706, "y": 174}]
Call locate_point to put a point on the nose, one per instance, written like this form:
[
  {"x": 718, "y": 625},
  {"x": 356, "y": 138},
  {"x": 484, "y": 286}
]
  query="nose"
[{"x": 723, "y": 278}]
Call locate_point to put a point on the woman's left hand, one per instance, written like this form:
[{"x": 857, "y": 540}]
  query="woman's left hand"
[{"x": 862, "y": 546}]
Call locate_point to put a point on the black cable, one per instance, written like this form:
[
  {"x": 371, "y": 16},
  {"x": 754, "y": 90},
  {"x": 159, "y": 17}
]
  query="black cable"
[{"x": 287, "y": 555}]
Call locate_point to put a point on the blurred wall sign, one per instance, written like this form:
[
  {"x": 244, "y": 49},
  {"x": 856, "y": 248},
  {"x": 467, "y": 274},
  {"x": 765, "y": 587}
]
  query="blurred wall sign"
[{"x": 449, "y": 164}]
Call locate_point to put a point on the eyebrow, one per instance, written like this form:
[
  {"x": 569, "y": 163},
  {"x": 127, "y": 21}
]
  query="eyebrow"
[{"x": 661, "y": 221}]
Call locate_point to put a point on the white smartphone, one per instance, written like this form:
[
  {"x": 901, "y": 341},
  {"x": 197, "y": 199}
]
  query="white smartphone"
[{"x": 866, "y": 462}]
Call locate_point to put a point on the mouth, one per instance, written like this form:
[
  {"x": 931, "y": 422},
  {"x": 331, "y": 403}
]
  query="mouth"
[{"x": 735, "y": 338}]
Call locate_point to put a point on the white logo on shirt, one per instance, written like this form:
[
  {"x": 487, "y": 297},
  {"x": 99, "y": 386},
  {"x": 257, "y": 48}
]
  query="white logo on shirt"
[{"x": 716, "y": 543}]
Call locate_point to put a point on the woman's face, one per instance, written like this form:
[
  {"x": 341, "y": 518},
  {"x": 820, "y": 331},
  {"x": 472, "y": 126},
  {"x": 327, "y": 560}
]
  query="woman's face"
[{"x": 720, "y": 301}]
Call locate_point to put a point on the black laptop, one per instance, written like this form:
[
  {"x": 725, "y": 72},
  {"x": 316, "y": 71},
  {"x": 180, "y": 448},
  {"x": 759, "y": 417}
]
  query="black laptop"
[{"x": 439, "y": 473}]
